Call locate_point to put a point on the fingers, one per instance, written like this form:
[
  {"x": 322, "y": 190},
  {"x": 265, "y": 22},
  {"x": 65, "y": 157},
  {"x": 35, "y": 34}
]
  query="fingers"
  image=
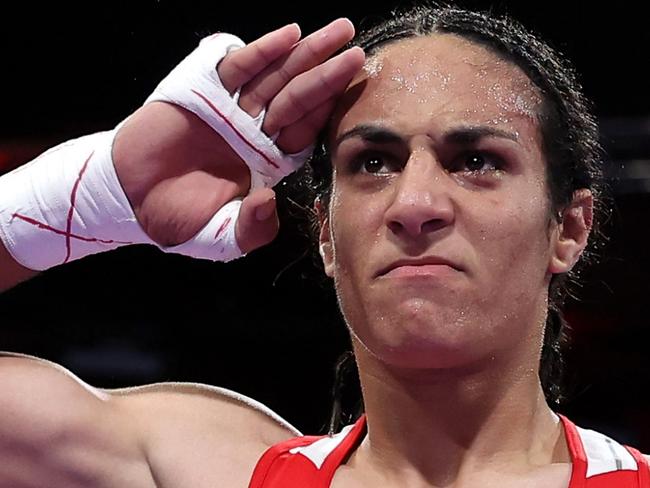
[
  {"x": 308, "y": 53},
  {"x": 258, "y": 222},
  {"x": 300, "y": 134},
  {"x": 312, "y": 89},
  {"x": 240, "y": 66}
]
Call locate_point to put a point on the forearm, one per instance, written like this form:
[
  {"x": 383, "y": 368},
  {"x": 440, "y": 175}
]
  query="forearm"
[
  {"x": 177, "y": 176},
  {"x": 64, "y": 205},
  {"x": 11, "y": 273}
]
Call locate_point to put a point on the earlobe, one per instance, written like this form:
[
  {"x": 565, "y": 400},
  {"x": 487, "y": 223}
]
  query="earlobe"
[
  {"x": 325, "y": 247},
  {"x": 327, "y": 256},
  {"x": 572, "y": 233}
]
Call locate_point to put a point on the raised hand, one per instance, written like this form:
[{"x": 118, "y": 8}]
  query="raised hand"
[{"x": 177, "y": 172}]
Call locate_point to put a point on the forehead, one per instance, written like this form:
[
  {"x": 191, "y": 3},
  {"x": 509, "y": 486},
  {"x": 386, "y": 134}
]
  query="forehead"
[{"x": 438, "y": 81}]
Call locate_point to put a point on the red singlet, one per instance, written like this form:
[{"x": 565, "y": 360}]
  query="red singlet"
[{"x": 310, "y": 461}]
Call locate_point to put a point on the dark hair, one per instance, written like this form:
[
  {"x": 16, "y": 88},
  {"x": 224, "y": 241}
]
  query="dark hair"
[{"x": 570, "y": 139}]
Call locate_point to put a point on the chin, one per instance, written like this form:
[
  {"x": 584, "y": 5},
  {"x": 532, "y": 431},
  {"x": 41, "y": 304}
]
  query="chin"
[
  {"x": 422, "y": 355},
  {"x": 430, "y": 340}
]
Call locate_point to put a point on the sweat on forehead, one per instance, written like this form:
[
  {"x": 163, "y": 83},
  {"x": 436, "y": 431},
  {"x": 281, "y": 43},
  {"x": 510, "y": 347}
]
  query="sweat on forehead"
[{"x": 427, "y": 66}]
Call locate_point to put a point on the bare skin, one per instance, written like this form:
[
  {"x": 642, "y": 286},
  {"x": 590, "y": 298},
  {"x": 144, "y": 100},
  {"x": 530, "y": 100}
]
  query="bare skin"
[
  {"x": 56, "y": 431},
  {"x": 440, "y": 240},
  {"x": 448, "y": 353},
  {"x": 163, "y": 150}
]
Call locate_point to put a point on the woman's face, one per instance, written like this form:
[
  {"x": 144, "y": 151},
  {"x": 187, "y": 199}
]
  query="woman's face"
[{"x": 439, "y": 235}]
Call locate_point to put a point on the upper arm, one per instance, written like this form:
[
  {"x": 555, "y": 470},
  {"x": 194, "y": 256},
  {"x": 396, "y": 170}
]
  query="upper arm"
[{"x": 57, "y": 432}]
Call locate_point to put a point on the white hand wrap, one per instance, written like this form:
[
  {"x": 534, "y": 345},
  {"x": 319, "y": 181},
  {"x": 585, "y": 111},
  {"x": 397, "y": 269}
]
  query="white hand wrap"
[
  {"x": 195, "y": 85},
  {"x": 68, "y": 202},
  {"x": 216, "y": 241}
]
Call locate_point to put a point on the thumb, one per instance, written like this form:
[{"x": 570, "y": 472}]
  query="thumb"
[{"x": 258, "y": 222}]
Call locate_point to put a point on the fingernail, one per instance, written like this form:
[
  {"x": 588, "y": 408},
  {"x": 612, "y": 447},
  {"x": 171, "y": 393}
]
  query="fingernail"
[{"x": 295, "y": 26}]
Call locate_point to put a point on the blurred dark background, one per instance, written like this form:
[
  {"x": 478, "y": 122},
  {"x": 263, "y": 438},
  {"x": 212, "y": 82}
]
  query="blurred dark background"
[{"x": 268, "y": 326}]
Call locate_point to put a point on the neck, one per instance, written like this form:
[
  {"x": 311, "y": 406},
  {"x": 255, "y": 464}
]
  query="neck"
[{"x": 440, "y": 426}]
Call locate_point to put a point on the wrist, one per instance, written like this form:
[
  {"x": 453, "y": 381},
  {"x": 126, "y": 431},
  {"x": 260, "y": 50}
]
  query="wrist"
[{"x": 66, "y": 204}]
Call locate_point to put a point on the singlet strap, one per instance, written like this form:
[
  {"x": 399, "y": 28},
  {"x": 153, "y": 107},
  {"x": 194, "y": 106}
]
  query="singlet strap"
[
  {"x": 308, "y": 460},
  {"x": 272, "y": 454},
  {"x": 577, "y": 453},
  {"x": 643, "y": 469},
  {"x": 349, "y": 444}
]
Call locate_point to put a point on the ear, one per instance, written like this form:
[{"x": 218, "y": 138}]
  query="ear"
[
  {"x": 572, "y": 233},
  {"x": 325, "y": 245}
]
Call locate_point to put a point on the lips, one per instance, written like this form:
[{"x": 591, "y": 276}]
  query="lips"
[{"x": 413, "y": 265}]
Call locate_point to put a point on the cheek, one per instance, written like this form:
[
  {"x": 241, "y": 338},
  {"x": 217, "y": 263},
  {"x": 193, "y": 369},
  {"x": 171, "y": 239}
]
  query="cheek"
[
  {"x": 513, "y": 230},
  {"x": 356, "y": 224}
]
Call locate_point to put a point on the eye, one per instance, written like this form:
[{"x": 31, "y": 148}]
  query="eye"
[
  {"x": 374, "y": 163},
  {"x": 478, "y": 163}
]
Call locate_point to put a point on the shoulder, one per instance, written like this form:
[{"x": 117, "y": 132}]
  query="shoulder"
[
  {"x": 208, "y": 406},
  {"x": 190, "y": 434},
  {"x": 32, "y": 374},
  {"x": 199, "y": 435}
]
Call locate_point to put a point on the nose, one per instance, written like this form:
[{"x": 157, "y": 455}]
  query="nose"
[{"x": 421, "y": 203}]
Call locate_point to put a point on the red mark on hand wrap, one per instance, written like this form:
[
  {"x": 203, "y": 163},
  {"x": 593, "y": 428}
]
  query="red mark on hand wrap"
[
  {"x": 222, "y": 227},
  {"x": 68, "y": 232},
  {"x": 73, "y": 199},
  {"x": 241, "y": 136},
  {"x": 43, "y": 226}
]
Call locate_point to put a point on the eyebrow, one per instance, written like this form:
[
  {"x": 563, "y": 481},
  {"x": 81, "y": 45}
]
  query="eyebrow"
[
  {"x": 370, "y": 133},
  {"x": 468, "y": 135},
  {"x": 459, "y": 135}
]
